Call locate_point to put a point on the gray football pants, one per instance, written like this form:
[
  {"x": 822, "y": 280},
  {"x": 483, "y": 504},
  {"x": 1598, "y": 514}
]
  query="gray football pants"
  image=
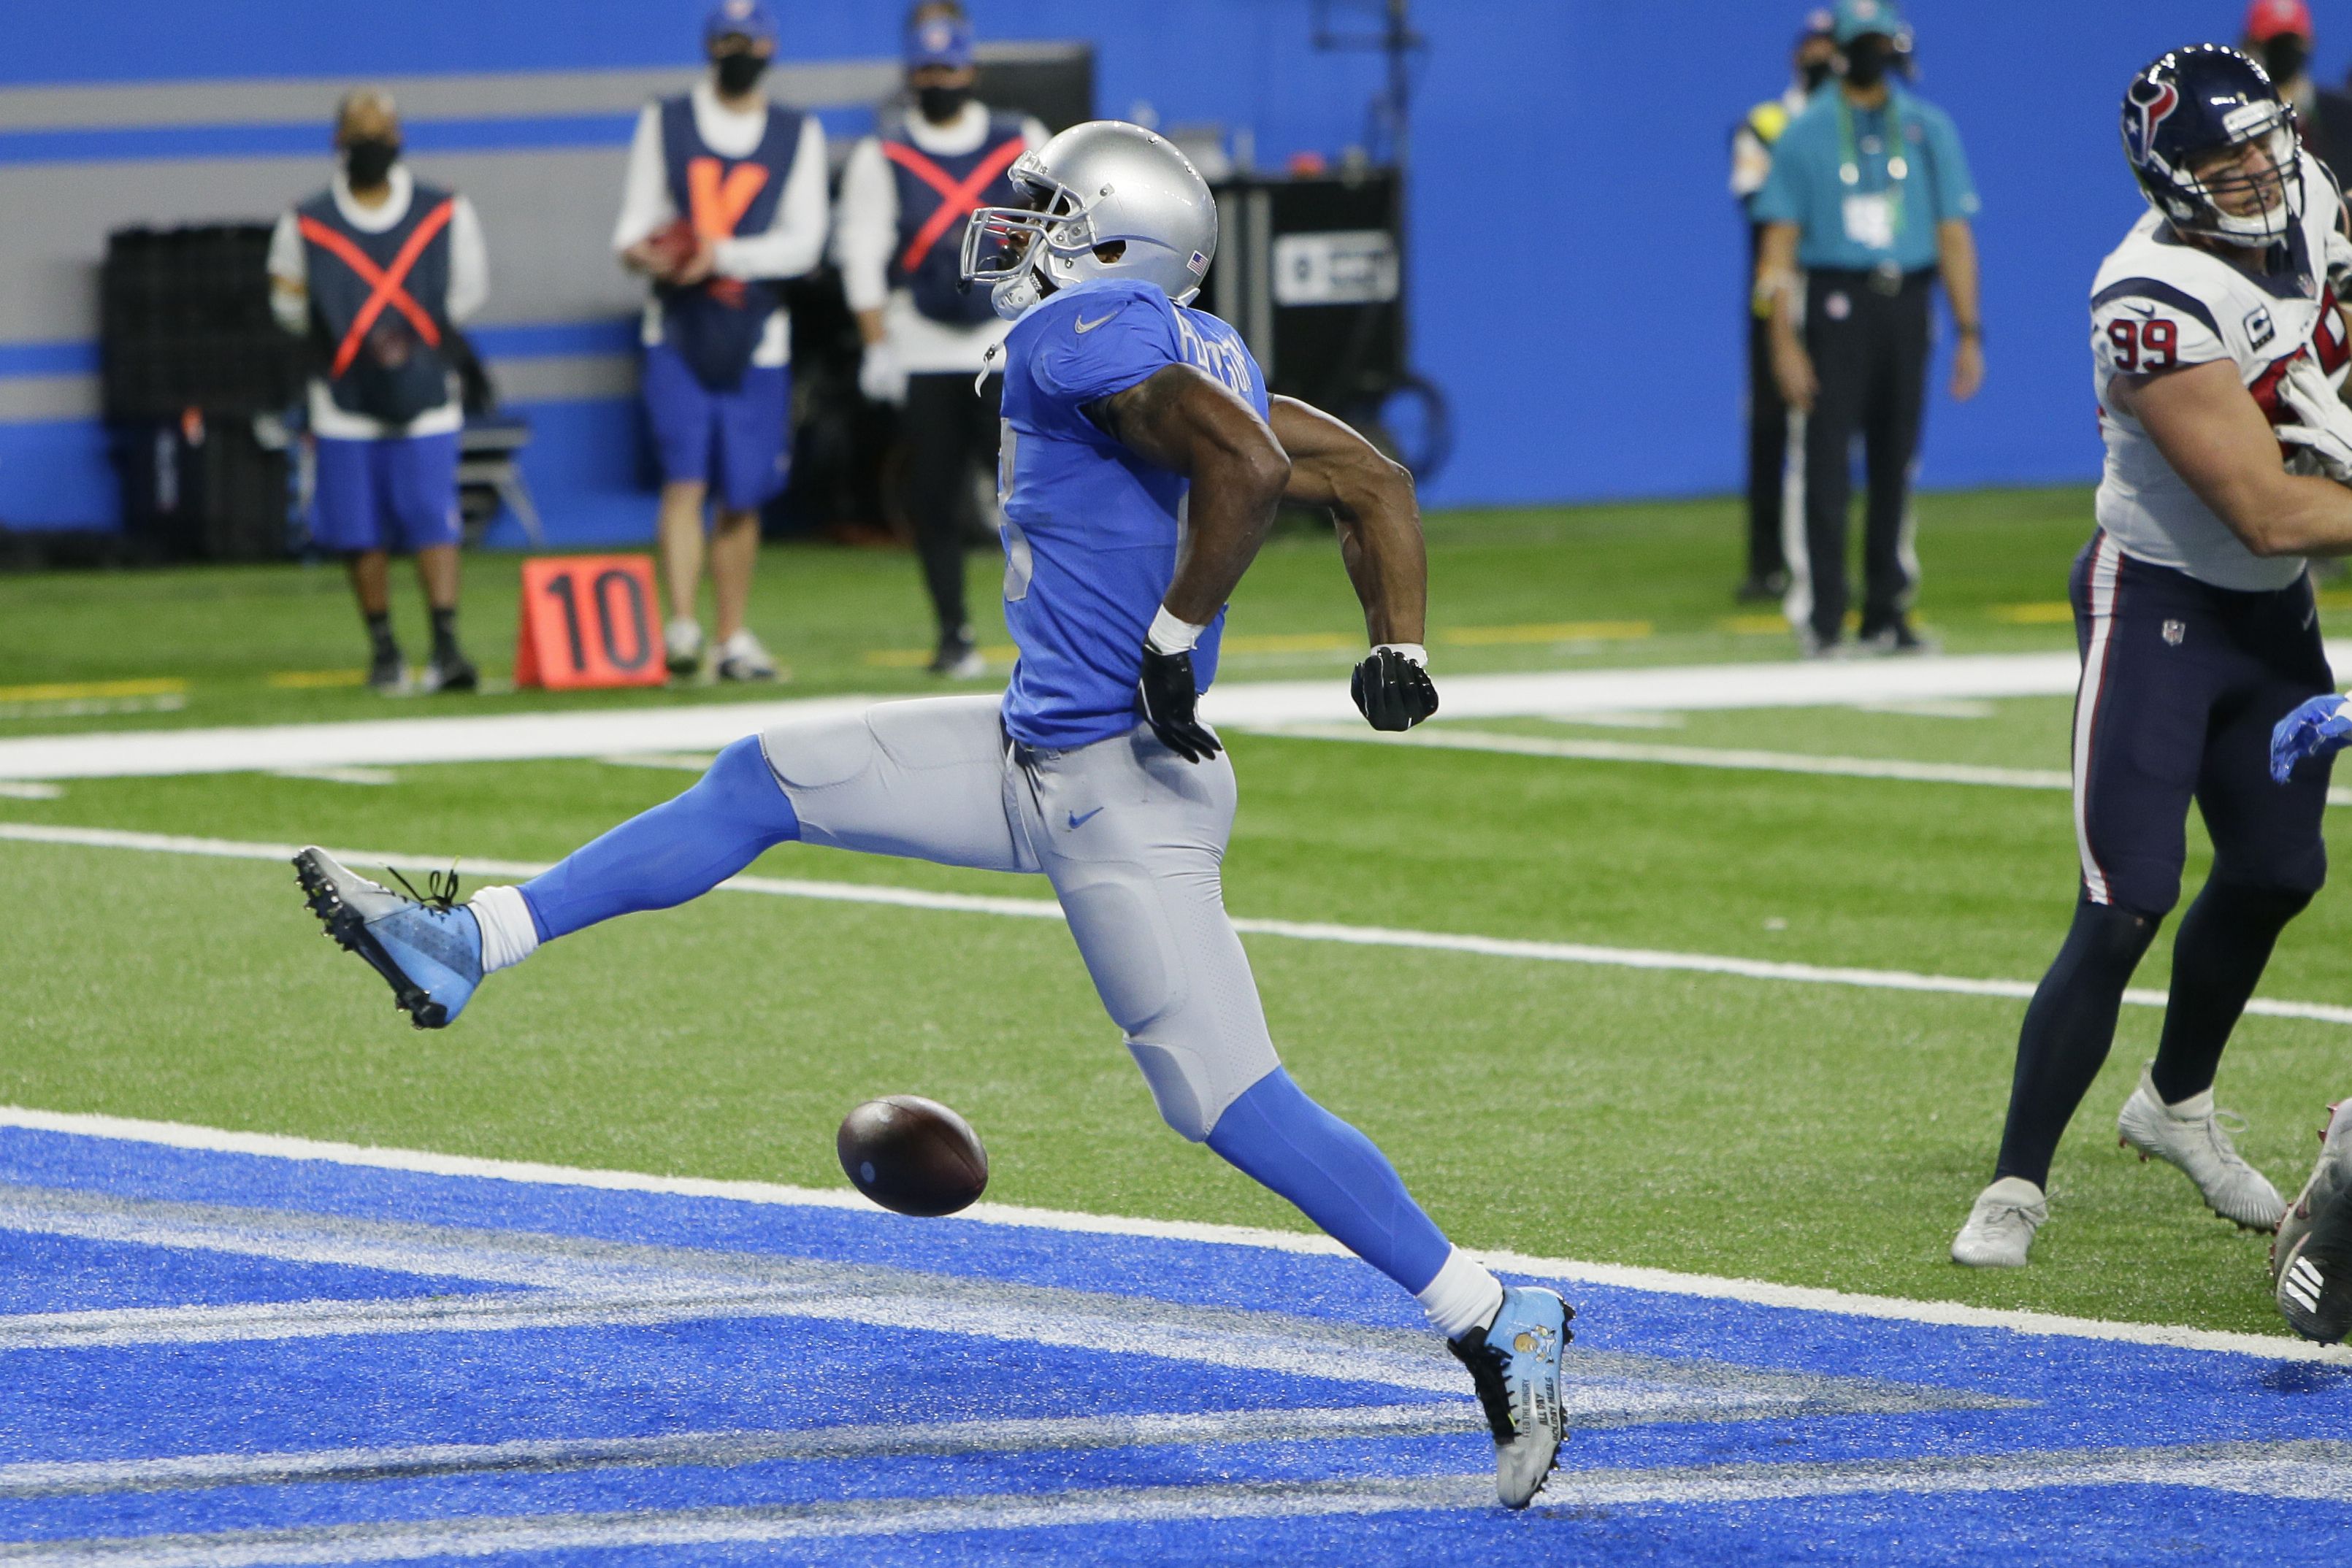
[{"x": 1130, "y": 835}]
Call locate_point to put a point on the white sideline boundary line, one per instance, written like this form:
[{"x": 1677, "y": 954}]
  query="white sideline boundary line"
[
  {"x": 1304, "y": 930},
  {"x": 706, "y": 727},
  {"x": 1665, "y": 1281},
  {"x": 1736, "y": 760}
]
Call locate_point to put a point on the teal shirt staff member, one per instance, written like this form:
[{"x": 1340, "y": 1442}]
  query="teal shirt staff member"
[
  {"x": 1856, "y": 202},
  {"x": 1836, "y": 198},
  {"x": 1870, "y": 196}
]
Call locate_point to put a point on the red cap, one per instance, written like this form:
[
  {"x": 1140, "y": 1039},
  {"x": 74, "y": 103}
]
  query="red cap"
[{"x": 2266, "y": 19}]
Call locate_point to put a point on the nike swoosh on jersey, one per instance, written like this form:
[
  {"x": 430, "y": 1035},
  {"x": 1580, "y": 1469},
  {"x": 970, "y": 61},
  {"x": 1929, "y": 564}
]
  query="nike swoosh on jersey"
[
  {"x": 1078, "y": 821},
  {"x": 1085, "y": 326}
]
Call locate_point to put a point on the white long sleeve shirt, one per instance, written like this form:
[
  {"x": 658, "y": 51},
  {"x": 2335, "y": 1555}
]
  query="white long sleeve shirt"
[
  {"x": 865, "y": 235},
  {"x": 290, "y": 298},
  {"x": 793, "y": 241}
]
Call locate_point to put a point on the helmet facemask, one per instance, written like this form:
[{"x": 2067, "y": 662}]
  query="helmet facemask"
[
  {"x": 2249, "y": 192},
  {"x": 1053, "y": 241}
]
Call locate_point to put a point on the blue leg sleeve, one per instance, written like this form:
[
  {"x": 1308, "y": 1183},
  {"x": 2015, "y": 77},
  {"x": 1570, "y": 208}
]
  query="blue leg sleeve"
[
  {"x": 1338, "y": 1177},
  {"x": 679, "y": 850}
]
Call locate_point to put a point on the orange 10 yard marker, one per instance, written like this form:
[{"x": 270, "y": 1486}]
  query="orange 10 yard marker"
[{"x": 587, "y": 621}]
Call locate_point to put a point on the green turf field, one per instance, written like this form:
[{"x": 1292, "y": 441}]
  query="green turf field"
[
  {"x": 1811, "y": 1134},
  {"x": 1526, "y": 590}
]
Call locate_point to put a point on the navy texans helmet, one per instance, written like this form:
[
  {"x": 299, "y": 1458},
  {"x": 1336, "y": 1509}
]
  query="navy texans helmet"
[{"x": 2203, "y": 100}]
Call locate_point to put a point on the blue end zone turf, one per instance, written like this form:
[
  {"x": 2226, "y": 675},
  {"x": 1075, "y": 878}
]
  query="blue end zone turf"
[{"x": 226, "y": 1357}]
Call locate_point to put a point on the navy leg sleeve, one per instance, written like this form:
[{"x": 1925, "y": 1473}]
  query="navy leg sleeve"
[
  {"x": 679, "y": 850},
  {"x": 1338, "y": 1177}
]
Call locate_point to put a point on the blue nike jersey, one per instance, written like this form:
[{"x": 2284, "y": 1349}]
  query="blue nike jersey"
[{"x": 1091, "y": 529}]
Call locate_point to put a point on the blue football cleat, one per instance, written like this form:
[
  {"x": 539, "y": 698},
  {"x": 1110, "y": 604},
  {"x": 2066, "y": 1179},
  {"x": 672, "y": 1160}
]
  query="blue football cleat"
[
  {"x": 429, "y": 949},
  {"x": 2322, "y": 727},
  {"x": 1514, "y": 1363}
]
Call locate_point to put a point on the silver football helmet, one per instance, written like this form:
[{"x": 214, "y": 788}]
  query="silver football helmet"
[{"x": 1103, "y": 185}]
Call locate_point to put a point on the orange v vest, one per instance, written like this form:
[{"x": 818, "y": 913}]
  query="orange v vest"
[
  {"x": 379, "y": 305},
  {"x": 715, "y": 325},
  {"x": 936, "y": 197}
]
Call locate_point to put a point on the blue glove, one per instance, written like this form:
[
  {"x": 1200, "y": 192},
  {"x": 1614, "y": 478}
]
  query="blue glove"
[{"x": 2322, "y": 727}]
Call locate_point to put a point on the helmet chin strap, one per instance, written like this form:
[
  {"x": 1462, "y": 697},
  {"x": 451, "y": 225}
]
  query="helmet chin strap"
[{"x": 1015, "y": 296}]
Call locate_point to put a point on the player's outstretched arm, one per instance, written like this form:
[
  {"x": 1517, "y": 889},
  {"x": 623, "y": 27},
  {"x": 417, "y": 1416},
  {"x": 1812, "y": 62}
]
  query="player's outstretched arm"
[
  {"x": 1371, "y": 502},
  {"x": 1189, "y": 424},
  {"x": 2211, "y": 431}
]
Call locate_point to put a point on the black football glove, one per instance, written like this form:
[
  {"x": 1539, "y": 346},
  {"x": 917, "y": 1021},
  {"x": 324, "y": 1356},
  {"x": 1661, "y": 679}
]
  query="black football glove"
[
  {"x": 1391, "y": 691},
  {"x": 1168, "y": 695}
]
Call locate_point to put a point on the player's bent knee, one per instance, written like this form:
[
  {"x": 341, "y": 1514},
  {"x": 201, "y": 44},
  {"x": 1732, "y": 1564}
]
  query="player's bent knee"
[
  {"x": 1194, "y": 1088},
  {"x": 742, "y": 788}
]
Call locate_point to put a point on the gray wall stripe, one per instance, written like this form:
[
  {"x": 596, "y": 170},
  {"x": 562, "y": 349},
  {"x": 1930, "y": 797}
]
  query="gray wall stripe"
[{"x": 294, "y": 101}]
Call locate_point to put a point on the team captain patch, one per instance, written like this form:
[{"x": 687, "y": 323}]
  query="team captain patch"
[{"x": 2259, "y": 330}]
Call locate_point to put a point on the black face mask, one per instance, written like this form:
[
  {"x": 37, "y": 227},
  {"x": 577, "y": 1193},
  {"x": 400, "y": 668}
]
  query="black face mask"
[
  {"x": 1813, "y": 75},
  {"x": 368, "y": 159},
  {"x": 738, "y": 72},
  {"x": 2284, "y": 57},
  {"x": 1866, "y": 59},
  {"x": 942, "y": 104}
]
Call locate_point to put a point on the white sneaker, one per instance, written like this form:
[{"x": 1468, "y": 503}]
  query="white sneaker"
[
  {"x": 2000, "y": 1227},
  {"x": 2192, "y": 1135},
  {"x": 741, "y": 658},
  {"x": 683, "y": 639}
]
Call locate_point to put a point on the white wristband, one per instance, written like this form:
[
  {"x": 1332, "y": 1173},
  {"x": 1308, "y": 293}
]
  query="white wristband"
[
  {"x": 1170, "y": 635},
  {"x": 1414, "y": 651}
]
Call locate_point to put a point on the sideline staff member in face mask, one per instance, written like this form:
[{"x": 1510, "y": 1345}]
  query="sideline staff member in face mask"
[
  {"x": 378, "y": 269},
  {"x": 1870, "y": 194},
  {"x": 898, "y": 237},
  {"x": 725, "y": 195}
]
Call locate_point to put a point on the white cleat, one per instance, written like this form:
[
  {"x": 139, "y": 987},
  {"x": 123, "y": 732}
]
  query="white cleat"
[
  {"x": 2199, "y": 1145},
  {"x": 742, "y": 658},
  {"x": 2000, "y": 1231}
]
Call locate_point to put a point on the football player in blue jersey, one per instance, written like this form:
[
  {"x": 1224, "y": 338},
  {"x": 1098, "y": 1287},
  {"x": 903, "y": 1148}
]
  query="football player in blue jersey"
[{"x": 1141, "y": 464}]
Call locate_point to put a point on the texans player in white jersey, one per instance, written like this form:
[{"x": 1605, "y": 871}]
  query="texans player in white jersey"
[
  {"x": 2218, "y": 346},
  {"x": 1141, "y": 467}
]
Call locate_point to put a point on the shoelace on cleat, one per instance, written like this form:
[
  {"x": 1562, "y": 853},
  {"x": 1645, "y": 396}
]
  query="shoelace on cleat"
[
  {"x": 2218, "y": 1128},
  {"x": 441, "y": 888},
  {"x": 1486, "y": 1363}
]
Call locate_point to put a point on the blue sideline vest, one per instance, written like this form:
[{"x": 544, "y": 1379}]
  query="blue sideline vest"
[
  {"x": 379, "y": 305},
  {"x": 928, "y": 259},
  {"x": 716, "y": 324}
]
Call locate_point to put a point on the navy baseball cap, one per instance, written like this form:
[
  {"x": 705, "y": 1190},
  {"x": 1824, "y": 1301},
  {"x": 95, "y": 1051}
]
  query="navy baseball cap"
[
  {"x": 938, "y": 41},
  {"x": 751, "y": 19}
]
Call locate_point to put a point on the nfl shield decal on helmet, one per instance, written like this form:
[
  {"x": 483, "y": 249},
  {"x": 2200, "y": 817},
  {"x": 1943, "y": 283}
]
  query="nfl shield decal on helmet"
[{"x": 2174, "y": 630}]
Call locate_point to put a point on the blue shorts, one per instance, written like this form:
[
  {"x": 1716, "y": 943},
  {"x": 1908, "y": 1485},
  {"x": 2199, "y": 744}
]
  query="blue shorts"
[
  {"x": 399, "y": 493},
  {"x": 2181, "y": 683},
  {"x": 733, "y": 442}
]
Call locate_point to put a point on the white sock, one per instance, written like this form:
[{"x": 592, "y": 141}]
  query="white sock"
[
  {"x": 1463, "y": 1297},
  {"x": 2195, "y": 1108},
  {"x": 507, "y": 934},
  {"x": 2014, "y": 1189}
]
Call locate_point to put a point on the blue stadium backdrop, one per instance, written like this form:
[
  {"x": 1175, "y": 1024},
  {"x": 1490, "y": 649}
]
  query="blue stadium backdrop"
[{"x": 1576, "y": 287}]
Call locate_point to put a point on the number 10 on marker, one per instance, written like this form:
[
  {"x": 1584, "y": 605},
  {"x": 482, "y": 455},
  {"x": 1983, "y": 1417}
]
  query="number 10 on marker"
[{"x": 587, "y": 621}]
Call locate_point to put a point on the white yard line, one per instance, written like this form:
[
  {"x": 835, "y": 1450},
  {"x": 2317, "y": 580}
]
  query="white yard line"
[
  {"x": 1447, "y": 738},
  {"x": 510, "y": 736},
  {"x": 1295, "y": 930},
  {"x": 271, "y": 1146}
]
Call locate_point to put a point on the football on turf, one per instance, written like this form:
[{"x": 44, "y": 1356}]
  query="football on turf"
[{"x": 912, "y": 1154}]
